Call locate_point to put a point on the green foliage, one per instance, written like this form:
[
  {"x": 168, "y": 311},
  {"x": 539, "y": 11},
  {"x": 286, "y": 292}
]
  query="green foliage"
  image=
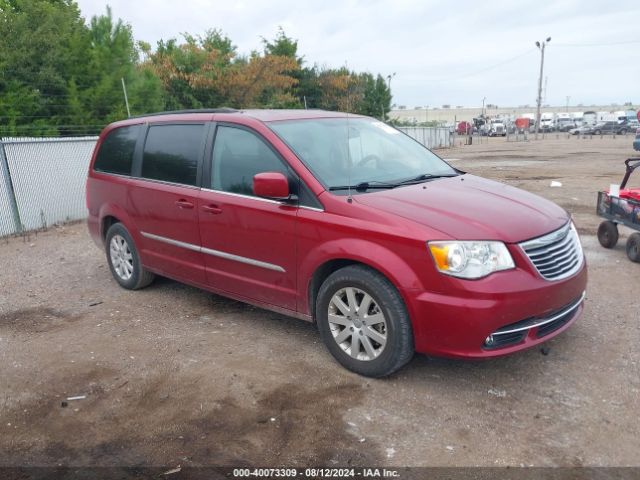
[
  {"x": 62, "y": 76},
  {"x": 282, "y": 46}
]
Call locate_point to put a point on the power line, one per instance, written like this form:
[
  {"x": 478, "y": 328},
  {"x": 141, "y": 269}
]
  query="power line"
[
  {"x": 486, "y": 69},
  {"x": 599, "y": 44}
]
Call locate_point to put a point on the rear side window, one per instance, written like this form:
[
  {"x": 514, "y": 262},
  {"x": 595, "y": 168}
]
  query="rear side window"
[
  {"x": 172, "y": 152},
  {"x": 116, "y": 152}
]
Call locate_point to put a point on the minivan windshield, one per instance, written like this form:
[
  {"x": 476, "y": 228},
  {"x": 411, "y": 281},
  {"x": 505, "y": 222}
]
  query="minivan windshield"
[{"x": 359, "y": 151}]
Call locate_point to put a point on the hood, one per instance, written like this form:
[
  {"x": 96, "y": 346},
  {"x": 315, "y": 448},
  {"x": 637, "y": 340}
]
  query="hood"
[{"x": 471, "y": 208}]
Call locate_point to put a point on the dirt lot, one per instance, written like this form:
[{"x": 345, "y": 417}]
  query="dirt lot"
[{"x": 173, "y": 375}]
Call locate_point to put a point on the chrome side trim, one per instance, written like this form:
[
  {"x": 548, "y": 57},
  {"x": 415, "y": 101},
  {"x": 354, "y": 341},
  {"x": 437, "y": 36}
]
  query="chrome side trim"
[
  {"x": 241, "y": 195},
  {"x": 538, "y": 323},
  {"x": 164, "y": 182},
  {"x": 170, "y": 241},
  {"x": 214, "y": 253},
  {"x": 313, "y": 209},
  {"x": 261, "y": 199},
  {"x": 238, "y": 258}
]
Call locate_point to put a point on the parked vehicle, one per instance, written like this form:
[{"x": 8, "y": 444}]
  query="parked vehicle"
[
  {"x": 340, "y": 220},
  {"x": 547, "y": 120},
  {"x": 464, "y": 128},
  {"x": 582, "y": 130},
  {"x": 481, "y": 125},
  {"x": 590, "y": 118},
  {"x": 522, "y": 124},
  {"x": 497, "y": 128},
  {"x": 636, "y": 142},
  {"x": 606, "y": 117},
  {"x": 577, "y": 118},
  {"x": 564, "y": 122},
  {"x": 610, "y": 127}
]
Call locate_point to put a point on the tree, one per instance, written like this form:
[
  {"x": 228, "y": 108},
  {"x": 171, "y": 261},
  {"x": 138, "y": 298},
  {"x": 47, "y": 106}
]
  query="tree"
[
  {"x": 376, "y": 99},
  {"x": 44, "y": 44},
  {"x": 205, "y": 72},
  {"x": 59, "y": 75},
  {"x": 282, "y": 46}
]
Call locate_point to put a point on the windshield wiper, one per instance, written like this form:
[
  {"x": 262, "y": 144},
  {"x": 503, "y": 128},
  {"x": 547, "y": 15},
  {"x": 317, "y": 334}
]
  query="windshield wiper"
[
  {"x": 374, "y": 184},
  {"x": 424, "y": 177},
  {"x": 364, "y": 186}
]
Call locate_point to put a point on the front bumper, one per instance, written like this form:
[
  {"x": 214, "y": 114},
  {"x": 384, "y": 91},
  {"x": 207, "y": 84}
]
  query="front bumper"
[{"x": 459, "y": 324}]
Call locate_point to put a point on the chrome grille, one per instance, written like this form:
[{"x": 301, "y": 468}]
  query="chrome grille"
[{"x": 556, "y": 255}]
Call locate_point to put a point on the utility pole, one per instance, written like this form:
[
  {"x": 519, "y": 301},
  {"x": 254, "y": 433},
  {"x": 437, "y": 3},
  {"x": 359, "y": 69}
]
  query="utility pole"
[
  {"x": 483, "y": 99},
  {"x": 126, "y": 100},
  {"x": 540, "y": 46},
  {"x": 568, "y": 98}
]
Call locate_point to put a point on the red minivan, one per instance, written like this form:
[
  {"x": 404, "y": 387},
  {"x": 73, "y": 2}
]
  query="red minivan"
[{"x": 340, "y": 220}]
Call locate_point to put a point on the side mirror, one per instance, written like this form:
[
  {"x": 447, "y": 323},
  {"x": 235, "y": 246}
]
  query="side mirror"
[{"x": 271, "y": 185}]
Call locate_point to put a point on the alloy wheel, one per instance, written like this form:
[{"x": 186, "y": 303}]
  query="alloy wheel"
[
  {"x": 121, "y": 257},
  {"x": 357, "y": 323}
]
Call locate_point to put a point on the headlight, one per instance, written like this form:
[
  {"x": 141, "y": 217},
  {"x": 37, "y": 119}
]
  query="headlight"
[{"x": 470, "y": 259}]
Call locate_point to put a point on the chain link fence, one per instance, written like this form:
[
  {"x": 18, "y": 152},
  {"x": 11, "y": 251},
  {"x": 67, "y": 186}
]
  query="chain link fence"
[
  {"x": 430, "y": 137},
  {"x": 42, "y": 181}
]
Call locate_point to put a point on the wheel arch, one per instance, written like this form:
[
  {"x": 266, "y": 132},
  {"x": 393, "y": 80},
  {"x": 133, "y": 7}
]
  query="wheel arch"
[
  {"x": 111, "y": 214},
  {"x": 317, "y": 268}
]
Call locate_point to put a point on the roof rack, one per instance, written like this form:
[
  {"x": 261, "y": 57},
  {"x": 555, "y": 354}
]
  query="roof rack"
[{"x": 195, "y": 110}]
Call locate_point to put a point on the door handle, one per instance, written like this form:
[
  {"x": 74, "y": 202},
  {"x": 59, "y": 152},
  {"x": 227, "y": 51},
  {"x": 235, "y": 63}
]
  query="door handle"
[
  {"x": 213, "y": 209},
  {"x": 184, "y": 203}
]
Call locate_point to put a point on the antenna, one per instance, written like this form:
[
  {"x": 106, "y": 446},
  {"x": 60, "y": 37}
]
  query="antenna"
[{"x": 349, "y": 197}]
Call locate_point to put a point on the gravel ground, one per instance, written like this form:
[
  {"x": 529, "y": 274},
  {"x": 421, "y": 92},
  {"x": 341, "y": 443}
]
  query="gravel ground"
[{"x": 174, "y": 375}]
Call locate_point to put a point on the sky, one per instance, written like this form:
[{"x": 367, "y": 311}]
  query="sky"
[{"x": 441, "y": 52}]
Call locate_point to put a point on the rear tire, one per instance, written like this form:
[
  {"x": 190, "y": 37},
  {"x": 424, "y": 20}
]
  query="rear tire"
[
  {"x": 597, "y": 132},
  {"x": 369, "y": 331},
  {"x": 633, "y": 247},
  {"x": 608, "y": 234},
  {"x": 123, "y": 259}
]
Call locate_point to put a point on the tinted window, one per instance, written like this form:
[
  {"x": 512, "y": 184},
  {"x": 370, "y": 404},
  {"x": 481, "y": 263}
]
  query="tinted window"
[
  {"x": 237, "y": 156},
  {"x": 116, "y": 152},
  {"x": 171, "y": 153}
]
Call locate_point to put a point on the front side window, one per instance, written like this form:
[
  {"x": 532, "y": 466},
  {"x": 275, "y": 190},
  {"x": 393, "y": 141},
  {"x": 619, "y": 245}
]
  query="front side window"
[
  {"x": 237, "y": 156},
  {"x": 171, "y": 153},
  {"x": 341, "y": 151},
  {"x": 116, "y": 152}
]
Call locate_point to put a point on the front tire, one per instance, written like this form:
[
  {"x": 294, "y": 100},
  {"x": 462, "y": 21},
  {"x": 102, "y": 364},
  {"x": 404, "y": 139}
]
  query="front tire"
[
  {"x": 633, "y": 247},
  {"x": 124, "y": 261},
  {"x": 363, "y": 322},
  {"x": 608, "y": 234}
]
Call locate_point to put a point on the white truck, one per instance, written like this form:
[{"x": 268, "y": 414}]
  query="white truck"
[
  {"x": 589, "y": 118},
  {"x": 564, "y": 122},
  {"x": 497, "y": 128},
  {"x": 577, "y": 118},
  {"x": 547, "y": 121}
]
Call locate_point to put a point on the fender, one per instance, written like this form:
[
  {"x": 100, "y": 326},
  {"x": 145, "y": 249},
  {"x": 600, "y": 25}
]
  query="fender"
[
  {"x": 113, "y": 210},
  {"x": 374, "y": 255}
]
